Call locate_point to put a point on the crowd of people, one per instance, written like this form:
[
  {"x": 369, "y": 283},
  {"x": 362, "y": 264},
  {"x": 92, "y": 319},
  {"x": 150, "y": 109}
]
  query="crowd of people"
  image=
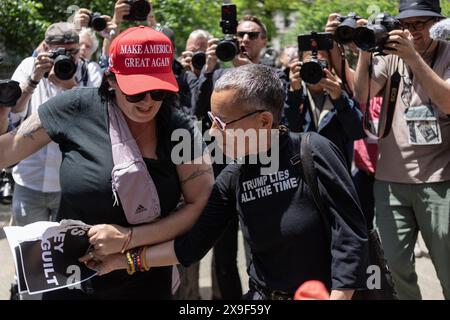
[{"x": 380, "y": 143}]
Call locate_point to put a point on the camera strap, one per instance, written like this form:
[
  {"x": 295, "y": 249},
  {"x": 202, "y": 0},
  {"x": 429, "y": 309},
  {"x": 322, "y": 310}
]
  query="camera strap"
[
  {"x": 388, "y": 109},
  {"x": 386, "y": 116},
  {"x": 343, "y": 74},
  {"x": 84, "y": 72}
]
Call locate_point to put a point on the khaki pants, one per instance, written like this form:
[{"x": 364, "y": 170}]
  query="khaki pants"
[{"x": 402, "y": 210}]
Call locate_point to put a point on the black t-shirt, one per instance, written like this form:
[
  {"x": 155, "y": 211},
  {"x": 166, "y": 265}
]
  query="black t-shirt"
[
  {"x": 78, "y": 121},
  {"x": 288, "y": 240}
]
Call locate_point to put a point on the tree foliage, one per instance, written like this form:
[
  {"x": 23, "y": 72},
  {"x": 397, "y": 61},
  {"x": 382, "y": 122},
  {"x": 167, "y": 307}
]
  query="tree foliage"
[{"x": 23, "y": 22}]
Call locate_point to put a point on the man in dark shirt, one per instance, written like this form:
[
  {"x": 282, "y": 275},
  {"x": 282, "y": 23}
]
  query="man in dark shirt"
[
  {"x": 252, "y": 36},
  {"x": 279, "y": 220}
]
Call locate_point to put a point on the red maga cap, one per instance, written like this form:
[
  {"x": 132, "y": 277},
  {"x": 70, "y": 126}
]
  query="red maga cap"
[{"x": 141, "y": 58}]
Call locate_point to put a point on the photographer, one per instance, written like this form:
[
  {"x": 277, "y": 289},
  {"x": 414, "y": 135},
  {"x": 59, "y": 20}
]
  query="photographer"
[
  {"x": 323, "y": 107},
  {"x": 192, "y": 59},
  {"x": 412, "y": 187},
  {"x": 196, "y": 43},
  {"x": 56, "y": 69},
  {"x": 88, "y": 24},
  {"x": 252, "y": 38}
]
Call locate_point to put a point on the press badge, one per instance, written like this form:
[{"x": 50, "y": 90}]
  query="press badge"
[{"x": 423, "y": 125}]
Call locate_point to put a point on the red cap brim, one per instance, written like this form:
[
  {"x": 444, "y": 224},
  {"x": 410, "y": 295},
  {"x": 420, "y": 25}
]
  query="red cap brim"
[{"x": 131, "y": 84}]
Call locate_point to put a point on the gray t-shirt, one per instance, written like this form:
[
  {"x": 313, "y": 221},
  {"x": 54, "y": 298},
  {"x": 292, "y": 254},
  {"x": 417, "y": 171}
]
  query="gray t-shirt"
[{"x": 399, "y": 160}]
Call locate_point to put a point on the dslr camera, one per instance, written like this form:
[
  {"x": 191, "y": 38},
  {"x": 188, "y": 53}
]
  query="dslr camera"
[
  {"x": 312, "y": 71},
  {"x": 198, "y": 60},
  {"x": 96, "y": 22},
  {"x": 139, "y": 10},
  {"x": 373, "y": 37},
  {"x": 228, "y": 47},
  {"x": 345, "y": 31},
  {"x": 64, "y": 65}
]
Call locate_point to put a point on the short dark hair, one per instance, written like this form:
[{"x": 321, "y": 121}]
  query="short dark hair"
[
  {"x": 256, "y": 20},
  {"x": 258, "y": 88}
]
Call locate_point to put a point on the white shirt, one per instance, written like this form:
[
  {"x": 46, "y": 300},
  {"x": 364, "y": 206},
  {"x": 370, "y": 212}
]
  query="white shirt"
[{"x": 40, "y": 171}]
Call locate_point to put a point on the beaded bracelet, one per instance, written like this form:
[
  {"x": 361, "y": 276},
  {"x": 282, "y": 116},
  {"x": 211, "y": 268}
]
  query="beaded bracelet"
[{"x": 130, "y": 267}]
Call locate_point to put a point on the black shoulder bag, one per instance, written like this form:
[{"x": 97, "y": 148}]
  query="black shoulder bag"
[{"x": 376, "y": 254}]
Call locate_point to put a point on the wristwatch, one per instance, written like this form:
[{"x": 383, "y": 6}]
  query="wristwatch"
[{"x": 32, "y": 82}]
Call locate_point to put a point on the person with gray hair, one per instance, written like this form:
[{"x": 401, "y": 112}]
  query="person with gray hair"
[
  {"x": 288, "y": 239},
  {"x": 37, "y": 193},
  {"x": 88, "y": 43},
  {"x": 192, "y": 60},
  {"x": 254, "y": 85}
]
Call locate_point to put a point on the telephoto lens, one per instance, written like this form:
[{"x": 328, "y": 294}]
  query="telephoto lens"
[
  {"x": 139, "y": 10},
  {"x": 64, "y": 66},
  {"x": 313, "y": 71},
  {"x": 373, "y": 37},
  {"x": 345, "y": 31},
  {"x": 227, "y": 49},
  {"x": 96, "y": 22},
  {"x": 198, "y": 60}
]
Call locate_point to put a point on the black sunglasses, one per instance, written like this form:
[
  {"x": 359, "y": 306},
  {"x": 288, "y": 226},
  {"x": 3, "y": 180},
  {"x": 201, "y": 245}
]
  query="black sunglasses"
[
  {"x": 251, "y": 35},
  {"x": 156, "y": 95}
]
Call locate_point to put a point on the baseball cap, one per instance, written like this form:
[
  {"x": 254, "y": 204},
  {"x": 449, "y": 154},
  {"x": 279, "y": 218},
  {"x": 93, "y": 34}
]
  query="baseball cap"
[
  {"x": 61, "y": 33},
  {"x": 419, "y": 8},
  {"x": 141, "y": 58}
]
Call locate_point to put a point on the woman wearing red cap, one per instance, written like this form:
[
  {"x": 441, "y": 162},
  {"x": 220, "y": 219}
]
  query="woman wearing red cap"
[{"x": 137, "y": 96}]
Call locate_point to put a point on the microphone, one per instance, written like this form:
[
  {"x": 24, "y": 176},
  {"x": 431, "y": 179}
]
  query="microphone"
[{"x": 441, "y": 30}]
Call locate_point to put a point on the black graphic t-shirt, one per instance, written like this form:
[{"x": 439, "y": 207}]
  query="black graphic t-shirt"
[
  {"x": 78, "y": 121},
  {"x": 279, "y": 220}
]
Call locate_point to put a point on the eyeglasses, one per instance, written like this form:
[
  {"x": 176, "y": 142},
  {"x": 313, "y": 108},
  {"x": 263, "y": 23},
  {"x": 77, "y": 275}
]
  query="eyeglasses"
[
  {"x": 73, "y": 51},
  {"x": 251, "y": 35},
  {"x": 222, "y": 125},
  {"x": 156, "y": 95},
  {"x": 416, "y": 26}
]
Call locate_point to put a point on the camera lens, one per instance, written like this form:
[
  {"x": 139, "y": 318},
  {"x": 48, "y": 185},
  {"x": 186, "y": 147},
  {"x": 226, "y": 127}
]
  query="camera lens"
[
  {"x": 64, "y": 67},
  {"x": 370, "y": 37},
  {"x": 344, "y": 34},
  {"x": 311, "y": 72},
  {"x": 199, "y": 60},
  {"x": 97, "y": 22},
  {"x": 139, "y": 10},
  {"x": 226, "y": 50},
  {"x": 345, "y": 31},
  {"x": 10, "y": 92}
]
